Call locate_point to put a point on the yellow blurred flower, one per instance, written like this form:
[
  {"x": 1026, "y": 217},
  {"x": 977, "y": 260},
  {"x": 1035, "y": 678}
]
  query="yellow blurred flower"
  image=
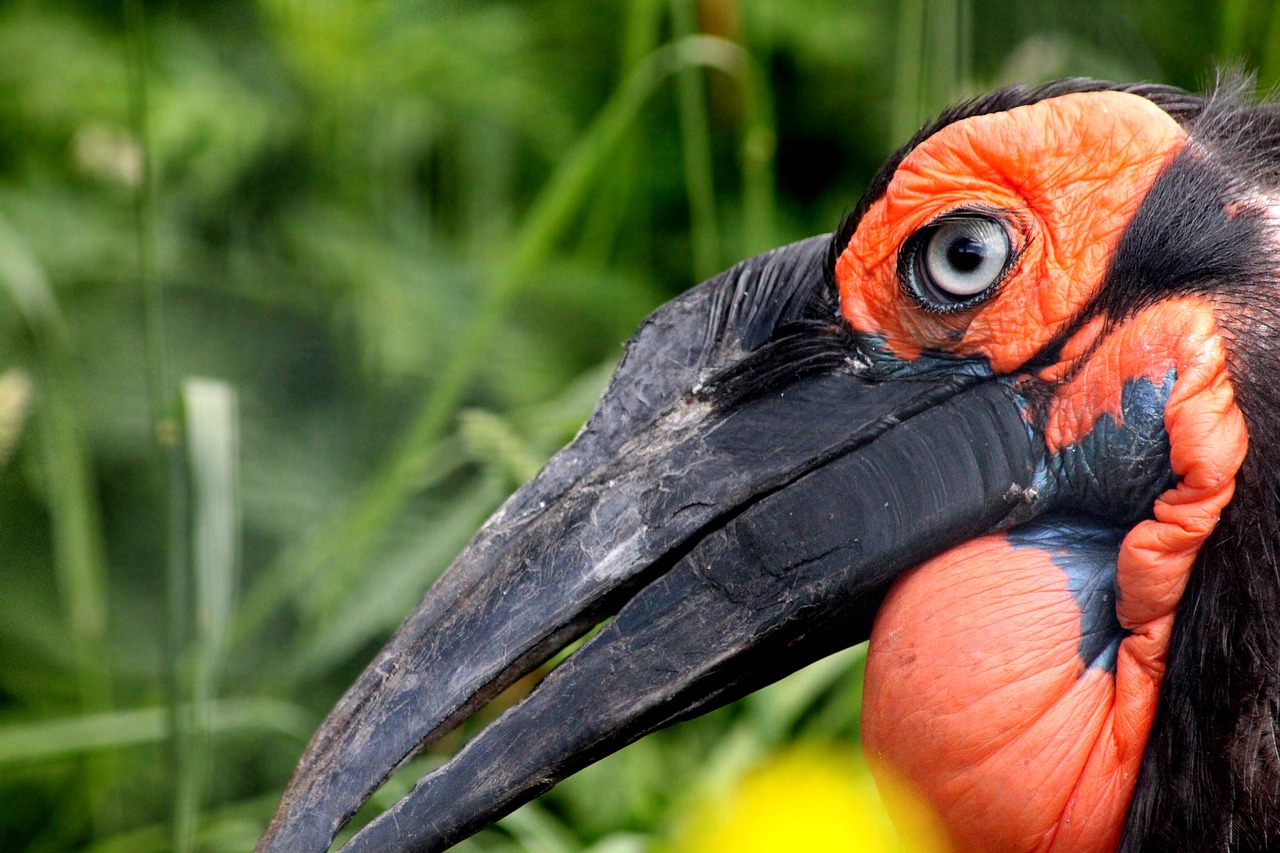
[{"x": 809, "y": 799}]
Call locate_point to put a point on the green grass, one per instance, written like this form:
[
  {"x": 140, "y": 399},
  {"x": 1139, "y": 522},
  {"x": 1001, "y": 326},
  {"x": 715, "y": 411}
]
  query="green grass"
[{"x": 293, "y": 294}]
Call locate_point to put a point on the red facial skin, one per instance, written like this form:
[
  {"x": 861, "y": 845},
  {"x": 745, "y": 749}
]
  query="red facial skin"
[{"x": 976, "y": 697}]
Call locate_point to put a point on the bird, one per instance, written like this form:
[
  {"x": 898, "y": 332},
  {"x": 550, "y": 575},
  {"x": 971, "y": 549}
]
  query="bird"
[{"x": 1016, "y": 421}]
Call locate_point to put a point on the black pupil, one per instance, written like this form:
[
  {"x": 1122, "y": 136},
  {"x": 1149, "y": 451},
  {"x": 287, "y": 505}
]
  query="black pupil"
[{"x": 965, "y": 254}]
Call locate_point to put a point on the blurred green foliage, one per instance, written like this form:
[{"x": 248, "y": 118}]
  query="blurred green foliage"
[{"x": 293, "y": 292}]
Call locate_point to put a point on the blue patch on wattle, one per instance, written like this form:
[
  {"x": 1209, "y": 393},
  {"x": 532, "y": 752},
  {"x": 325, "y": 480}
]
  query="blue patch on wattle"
[
  {"x": 1085, "y": 550},
  {"x": 1088, "y": 495},
  {"x": 1118, "y": 469}
]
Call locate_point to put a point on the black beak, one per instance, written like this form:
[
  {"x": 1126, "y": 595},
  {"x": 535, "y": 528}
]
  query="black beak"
[{"x": 733, "y": 536}]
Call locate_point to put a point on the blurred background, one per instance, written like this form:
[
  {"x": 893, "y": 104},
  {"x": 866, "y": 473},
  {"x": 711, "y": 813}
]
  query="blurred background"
[{"x": 294, "y": 292}]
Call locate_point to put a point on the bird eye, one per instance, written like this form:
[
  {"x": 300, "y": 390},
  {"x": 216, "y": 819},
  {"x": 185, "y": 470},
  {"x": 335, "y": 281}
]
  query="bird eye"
[{"x": 953, "y": 262}]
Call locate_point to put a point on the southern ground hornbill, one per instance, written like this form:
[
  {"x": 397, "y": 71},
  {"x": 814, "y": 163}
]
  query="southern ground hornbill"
[{"x": 1018, "y": 421}]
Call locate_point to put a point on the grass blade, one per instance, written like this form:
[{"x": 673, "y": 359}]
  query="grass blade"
[
  {"x": 695, "y": 146},
  {"x": 15, "y": 403},
  {"x": 212, "y": 444},
  {"x": 49, "y": 740},
  {"x": 79, "y": 564}
]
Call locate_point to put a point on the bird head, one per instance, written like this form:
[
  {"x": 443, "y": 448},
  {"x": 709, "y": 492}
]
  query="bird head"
[{"x": 996, "y": 423}]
